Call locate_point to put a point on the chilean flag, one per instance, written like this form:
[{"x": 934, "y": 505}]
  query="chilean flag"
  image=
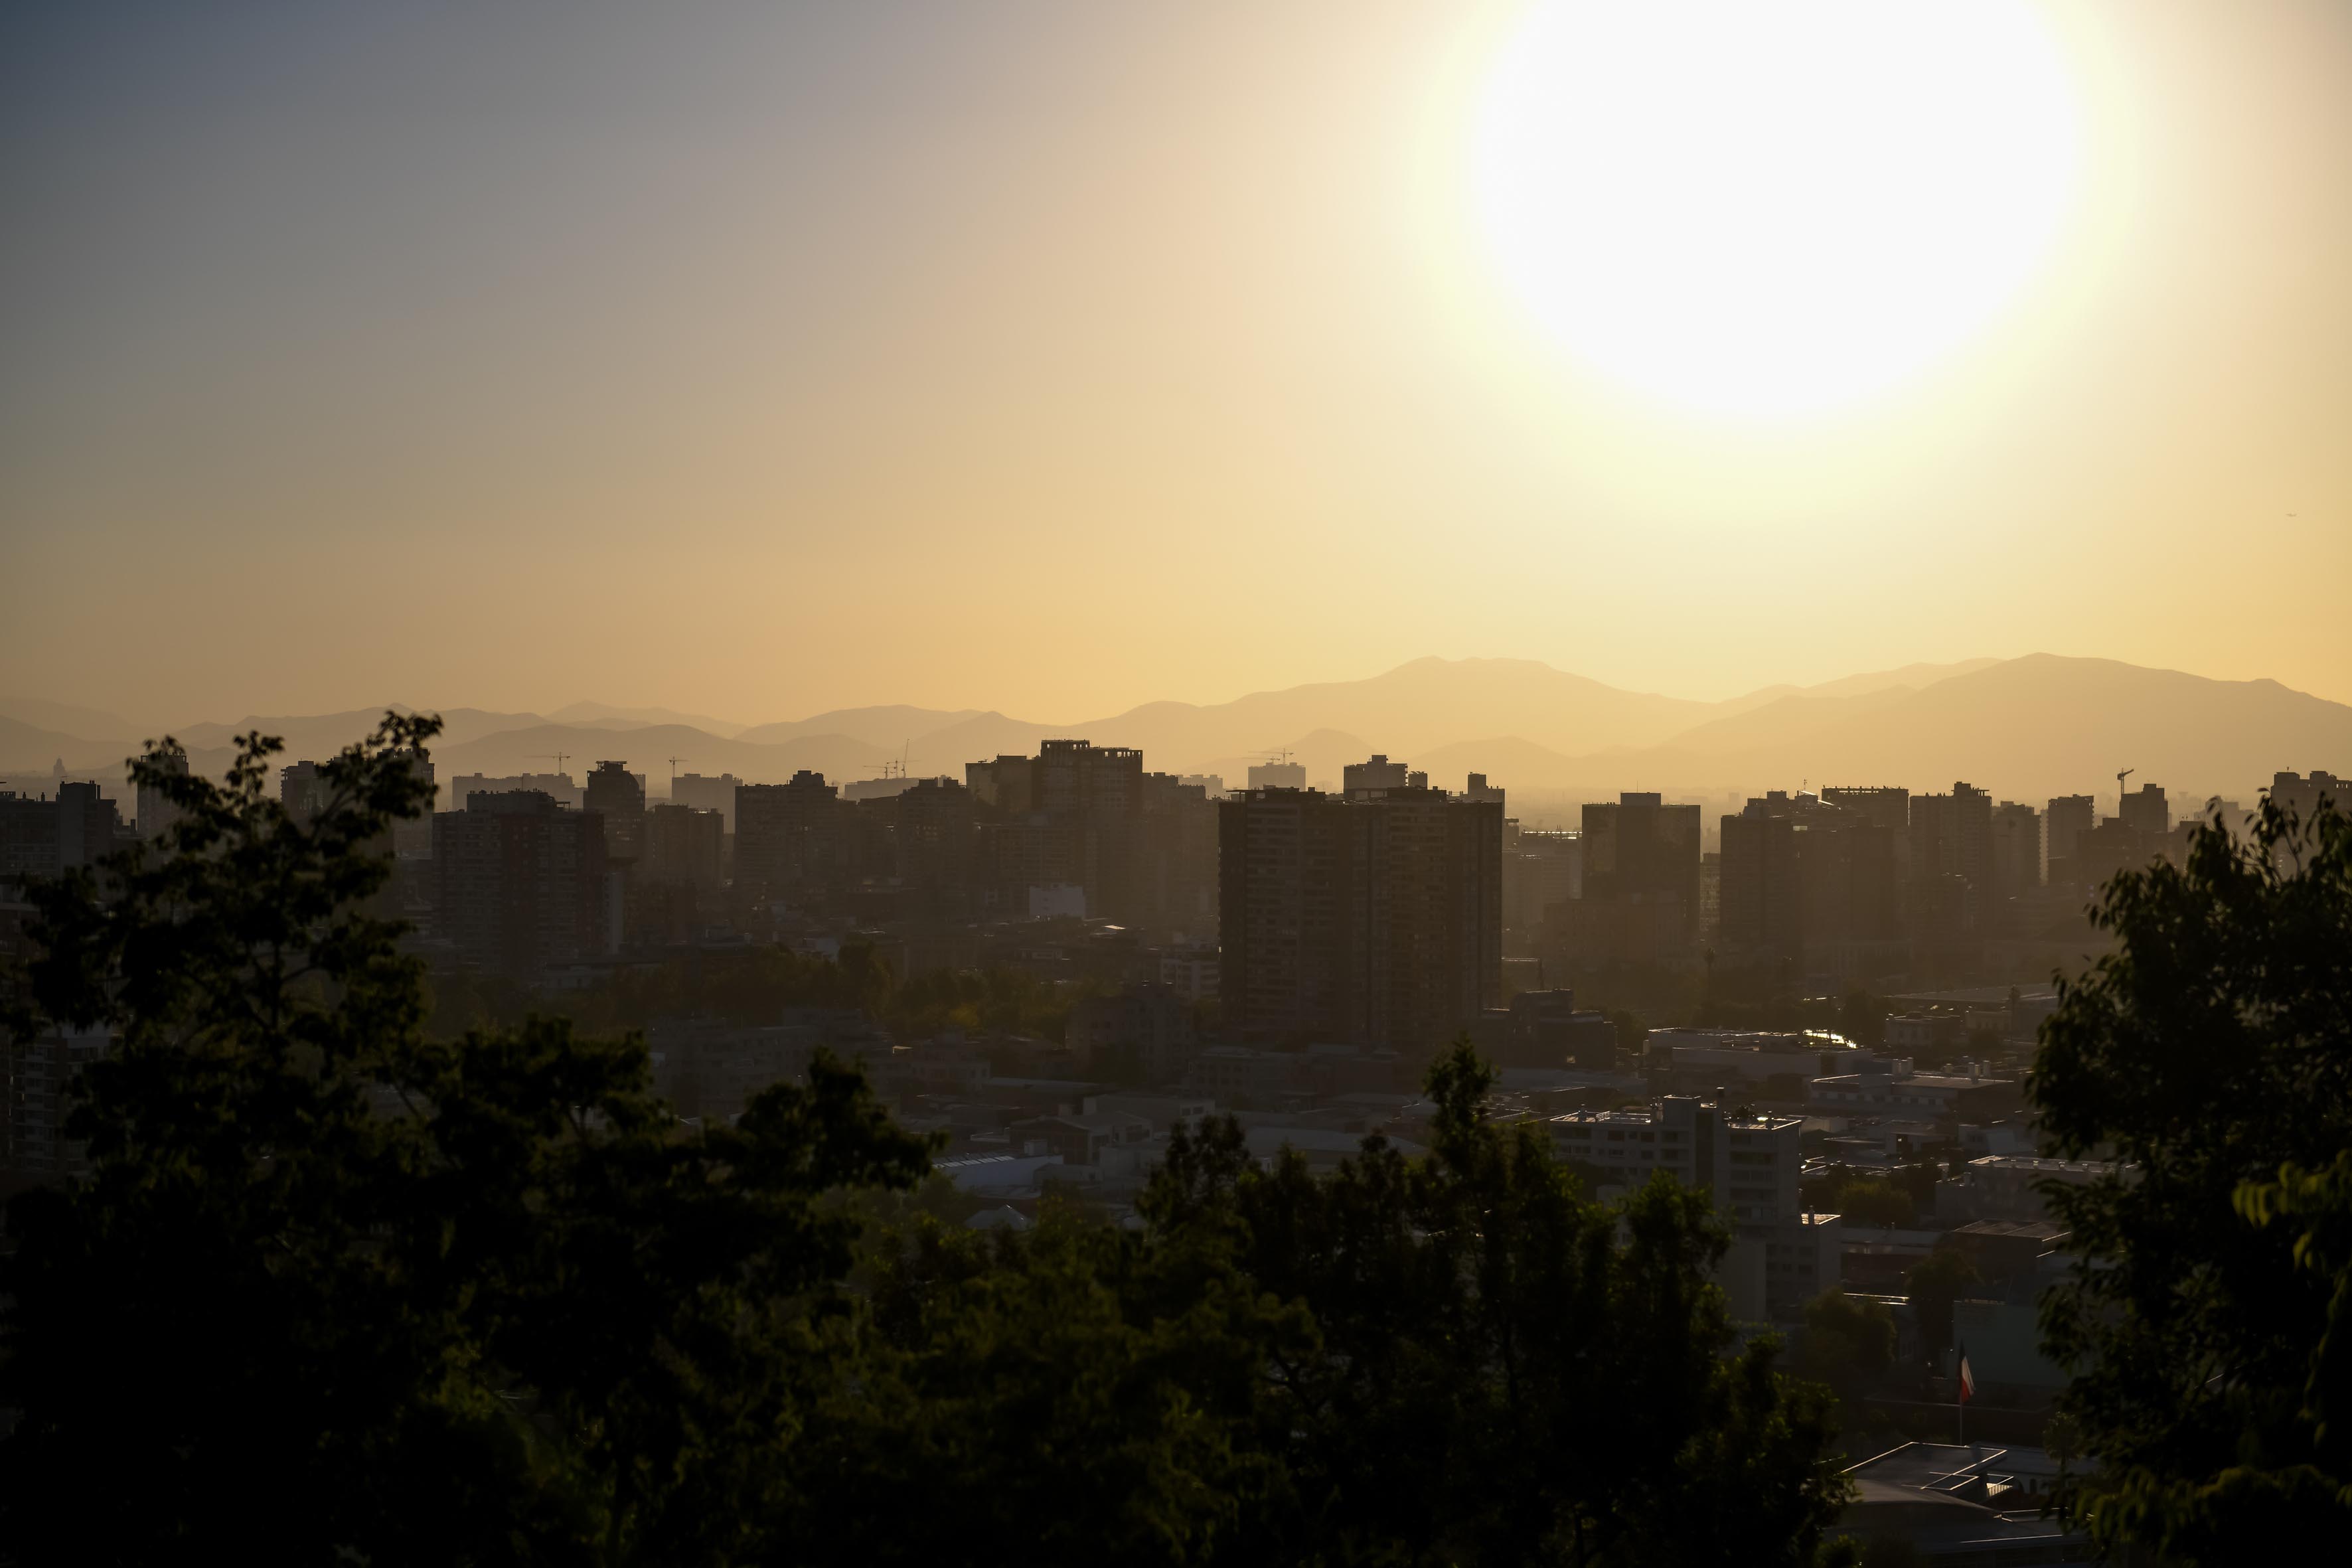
[{"x": 1968, "y": 1379}]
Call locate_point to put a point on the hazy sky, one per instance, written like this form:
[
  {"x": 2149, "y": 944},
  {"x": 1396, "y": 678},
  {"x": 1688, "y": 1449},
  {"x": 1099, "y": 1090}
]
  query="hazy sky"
[{"x": 759, "y": 360}]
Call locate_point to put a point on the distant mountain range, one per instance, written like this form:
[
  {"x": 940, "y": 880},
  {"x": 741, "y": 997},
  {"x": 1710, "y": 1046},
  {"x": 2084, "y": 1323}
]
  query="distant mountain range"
[{"x": 2026, "y": 727}]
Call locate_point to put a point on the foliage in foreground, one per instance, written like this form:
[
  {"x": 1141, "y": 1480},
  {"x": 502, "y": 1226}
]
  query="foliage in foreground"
[
  {"x": 2211, "y": 1056},
  {"x": 339, "y": 1290}
]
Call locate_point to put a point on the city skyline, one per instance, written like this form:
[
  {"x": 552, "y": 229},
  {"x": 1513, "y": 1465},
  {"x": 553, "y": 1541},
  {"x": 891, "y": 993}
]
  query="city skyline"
[{"x": 2032, "y": 727}]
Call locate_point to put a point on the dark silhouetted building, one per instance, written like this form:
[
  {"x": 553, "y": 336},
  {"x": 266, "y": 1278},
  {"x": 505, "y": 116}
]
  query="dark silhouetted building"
[
  {"x": 1541, "y": 870},
  {"x": 706, "y": 793},
  {"x": 1372, "y": 921},
  {"x": 1380, "y": 773},
  {"x": 520, "y": 883},
  {"x": 792, "y": 836},
  {"x": 618, "y": 796},
  {"x": 2146, "y": 810},
  {"x": 302, "y": 791},
  {"x": 1951, "y": 835},
  {"x": 89, "y": 826},
  {"x": 2302, "y": 797},
  {"x": 156, "y": 812},
  {"x": 1546, "y": 1029},
  {"x": 683, "y": 846},
  {"x": 1277, "y": 775},
  {"x": 1760, "y": 909},
  {"x": 1176, "y": 859},
  {"x": 1069, "y": 816},
  {"x": 558, "y": 787},
  {"x": 2069, "y": 816},
  {"x": 1641, "y": 902},
  {"x": 2016, "y": 850}
]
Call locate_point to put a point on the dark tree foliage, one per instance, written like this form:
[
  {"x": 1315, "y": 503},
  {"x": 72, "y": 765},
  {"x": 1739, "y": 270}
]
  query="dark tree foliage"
[
  {"x": 336, "y": 1291},
  {"x": 1933, "y": 1284},
  {"x": 1848, "y": 1343},
  {"x": 339, "y": 1290},
  {"x": 751, "y": 985},
  {"x": 1506, "y": 1373},
  {"x": 1076, "y": 1394},
  {"x": 2211, "y": 1050}
]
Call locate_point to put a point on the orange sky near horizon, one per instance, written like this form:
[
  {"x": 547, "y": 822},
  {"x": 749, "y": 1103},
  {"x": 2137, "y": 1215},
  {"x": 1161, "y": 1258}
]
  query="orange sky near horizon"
[{"x": 1054, "y": 358}]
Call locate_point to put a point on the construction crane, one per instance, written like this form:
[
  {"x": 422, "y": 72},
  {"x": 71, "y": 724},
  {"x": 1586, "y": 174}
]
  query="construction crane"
[
  {"x": 2119, "y": 785},
  {"x": 673, "y": 773},
  {"x": 559, "y": 758}
]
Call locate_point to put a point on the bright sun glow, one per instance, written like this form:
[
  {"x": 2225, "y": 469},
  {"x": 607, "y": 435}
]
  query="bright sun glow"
[{"x": 1770, "y": 210}]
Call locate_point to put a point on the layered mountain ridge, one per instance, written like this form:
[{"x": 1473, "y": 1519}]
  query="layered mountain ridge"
[{"x": 2027, "y": 727}]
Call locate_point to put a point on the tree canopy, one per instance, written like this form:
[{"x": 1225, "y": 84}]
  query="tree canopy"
[
  {"x": 338, "y": 1288},
  {"x": 2208, "y": 1061}
]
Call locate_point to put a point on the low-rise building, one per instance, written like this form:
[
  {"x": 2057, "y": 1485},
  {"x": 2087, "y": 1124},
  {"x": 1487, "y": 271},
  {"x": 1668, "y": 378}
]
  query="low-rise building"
[
  {"x": 2008, "y": 1186},
  {"x": 1960, "y": 1503},
  {"x": 1890, "y": 1088},
  {"x": 1783, "y": 1256},
  {"x": 1698, "y": 1061},
  {"x": 1150, "y": 1028}
]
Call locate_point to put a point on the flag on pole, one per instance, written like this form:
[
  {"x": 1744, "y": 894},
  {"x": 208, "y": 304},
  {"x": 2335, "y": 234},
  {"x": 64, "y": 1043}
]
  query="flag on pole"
[{"x": 1968, "y": 1379}]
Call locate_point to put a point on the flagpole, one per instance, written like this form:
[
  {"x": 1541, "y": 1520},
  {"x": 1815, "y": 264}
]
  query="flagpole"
[{"x": 1960, "y": 1392}]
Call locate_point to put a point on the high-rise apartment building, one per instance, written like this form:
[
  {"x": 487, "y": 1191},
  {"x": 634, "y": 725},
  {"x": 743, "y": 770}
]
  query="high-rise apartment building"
[
  {"x": 1277, "y": 775},
  {"x": 932, "y": 844},
  {"x": 2015, "y": 856},
  {"x": 2146, "y": 810},
  {"x": 618, "y": 796},
  {"x": 156, "y": 812},
  {"x": 88, "y": 824},
  {"x": 1073, "y": 815},
  {"x": 1761, "y": 908},
  {"x": 520, "y": 883},
  {"x": 1804, "y": 880},
  {"x": 708, "y": 793},
  {"x": 1641, "y": 901},
  {"x": 2068, "y": 817},
  {"x": 28, "y": 837},
  {"x": 1951, "y": 835},
  {"x": 1176, "y": 859},
  {"x": 1540, "y": 871},
  {"x": 1381, "y": 773},
  {"x": 791, "y": 835},
  {"x": 302, "y": 791},
  {"x": 2302, "y": 795},
  {"x": 684, "y": 846},
  {"x": 1007, "y": 783},
  {"x": 1372, "y": 920},
  {"x": 558, "y": 787}
]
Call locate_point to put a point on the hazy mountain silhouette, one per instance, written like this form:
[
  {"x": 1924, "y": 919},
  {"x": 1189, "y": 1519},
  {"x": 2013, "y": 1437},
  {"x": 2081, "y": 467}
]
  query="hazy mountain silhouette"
[
  {"x": 2026, "y": 727},
  {"x": 892, "y": 724},
  {"x": 1429, "y": 703},
  {"x": 64, "y": 719},
  {"x": 28, "y": 747},
  {"x": 323, "y": 734},
  {"x": 604, "y": 716},
  {"x": 1911, "y": 675}
]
